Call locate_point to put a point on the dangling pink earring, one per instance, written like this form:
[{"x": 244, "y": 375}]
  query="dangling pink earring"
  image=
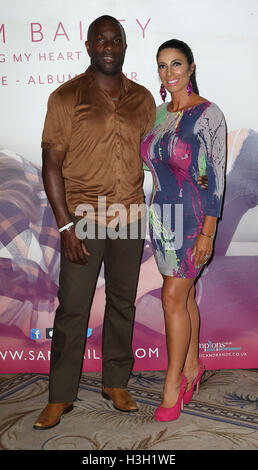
[
  {"x": 163, "y": 92},
  {"x": 189, "y": 88}
]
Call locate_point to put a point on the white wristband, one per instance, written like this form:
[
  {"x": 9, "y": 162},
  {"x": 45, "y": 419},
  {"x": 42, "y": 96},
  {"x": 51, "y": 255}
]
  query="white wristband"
[{"x": 66, "y": 227}]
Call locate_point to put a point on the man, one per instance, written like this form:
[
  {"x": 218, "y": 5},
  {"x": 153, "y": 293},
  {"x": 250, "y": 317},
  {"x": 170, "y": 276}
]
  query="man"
[{"x": 91, "y": 139}]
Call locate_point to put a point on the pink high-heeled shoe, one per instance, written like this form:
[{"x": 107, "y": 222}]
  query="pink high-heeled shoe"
[
  {"x": 189, "y": 394},
  {"x": 170, "y": 414}
]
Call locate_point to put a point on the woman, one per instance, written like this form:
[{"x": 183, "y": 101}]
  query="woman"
[{"x": 188, "y": 139}]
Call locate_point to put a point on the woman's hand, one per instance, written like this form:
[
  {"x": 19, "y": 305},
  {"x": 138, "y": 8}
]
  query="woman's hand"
[{"x": 202, "y": 250}]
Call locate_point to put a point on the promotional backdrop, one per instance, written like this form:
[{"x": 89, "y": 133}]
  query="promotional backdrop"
[{"x": 41, "y": 47}]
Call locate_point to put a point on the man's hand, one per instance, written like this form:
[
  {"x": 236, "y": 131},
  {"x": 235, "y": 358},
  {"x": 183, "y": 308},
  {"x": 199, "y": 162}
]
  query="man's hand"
[
  {"x": 203, "y": 181},
  {"x": 74, "y": 249}
]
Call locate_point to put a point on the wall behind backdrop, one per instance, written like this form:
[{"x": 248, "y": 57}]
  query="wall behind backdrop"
[{"x": 41, "y": 47}]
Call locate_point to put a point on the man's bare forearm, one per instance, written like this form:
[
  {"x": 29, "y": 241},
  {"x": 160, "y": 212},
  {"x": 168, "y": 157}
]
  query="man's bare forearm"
[
  {"x": 74, "y": 249},
  {"x": 54, "y": 185}
]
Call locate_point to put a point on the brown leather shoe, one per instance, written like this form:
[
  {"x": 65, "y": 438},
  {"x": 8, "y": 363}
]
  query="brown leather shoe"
[
  {"x": 51, "y": 415},
  {"x": 122, "y": 400}
]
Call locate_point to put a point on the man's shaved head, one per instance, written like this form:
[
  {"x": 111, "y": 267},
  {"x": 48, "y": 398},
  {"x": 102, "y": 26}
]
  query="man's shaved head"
[{"x": 102, "y": 19}]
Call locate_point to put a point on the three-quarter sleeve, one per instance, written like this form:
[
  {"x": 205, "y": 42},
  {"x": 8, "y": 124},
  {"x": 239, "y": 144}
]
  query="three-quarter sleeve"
[
  {"x": 212, "y": 134},
  {"x": 58, "y": 124}
]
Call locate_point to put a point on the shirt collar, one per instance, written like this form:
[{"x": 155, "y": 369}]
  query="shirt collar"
[{"x": 90, "y": 74}]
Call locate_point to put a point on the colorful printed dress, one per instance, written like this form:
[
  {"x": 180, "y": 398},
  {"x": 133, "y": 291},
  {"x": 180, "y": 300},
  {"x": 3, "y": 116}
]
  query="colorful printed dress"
[{"x": 181, "y": 146}]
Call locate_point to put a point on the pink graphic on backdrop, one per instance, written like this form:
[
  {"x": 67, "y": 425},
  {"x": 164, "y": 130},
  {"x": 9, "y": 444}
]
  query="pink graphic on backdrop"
[{"x": 29, "y": 269}]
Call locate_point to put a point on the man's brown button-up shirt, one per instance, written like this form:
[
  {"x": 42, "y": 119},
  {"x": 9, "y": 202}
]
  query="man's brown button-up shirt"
[{"x": 101, "y": 138}]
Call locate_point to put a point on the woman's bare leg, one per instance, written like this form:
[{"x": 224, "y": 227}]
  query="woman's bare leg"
[
  {"x": 191, "y": 365},
  {"x": 175, "y": 292}
]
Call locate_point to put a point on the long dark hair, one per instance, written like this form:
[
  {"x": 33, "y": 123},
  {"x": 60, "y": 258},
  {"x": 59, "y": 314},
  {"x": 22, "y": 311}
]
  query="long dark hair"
[{"x": 185, "y": 49}]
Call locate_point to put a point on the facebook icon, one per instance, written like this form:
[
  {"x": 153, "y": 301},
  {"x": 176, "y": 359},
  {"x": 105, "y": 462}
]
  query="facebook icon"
[{"x": 35, "y": 333}]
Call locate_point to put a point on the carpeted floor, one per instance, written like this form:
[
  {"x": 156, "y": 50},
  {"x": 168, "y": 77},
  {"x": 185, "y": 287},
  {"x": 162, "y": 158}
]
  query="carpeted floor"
[{"x": 223, "y": 416}]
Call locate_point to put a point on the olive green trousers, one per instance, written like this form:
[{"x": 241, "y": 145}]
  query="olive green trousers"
[{"x": 77, "y": 284}]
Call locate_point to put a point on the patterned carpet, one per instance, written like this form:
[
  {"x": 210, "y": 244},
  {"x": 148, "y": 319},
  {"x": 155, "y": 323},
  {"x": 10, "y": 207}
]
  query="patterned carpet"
[{"x": 223, "y": 417}]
